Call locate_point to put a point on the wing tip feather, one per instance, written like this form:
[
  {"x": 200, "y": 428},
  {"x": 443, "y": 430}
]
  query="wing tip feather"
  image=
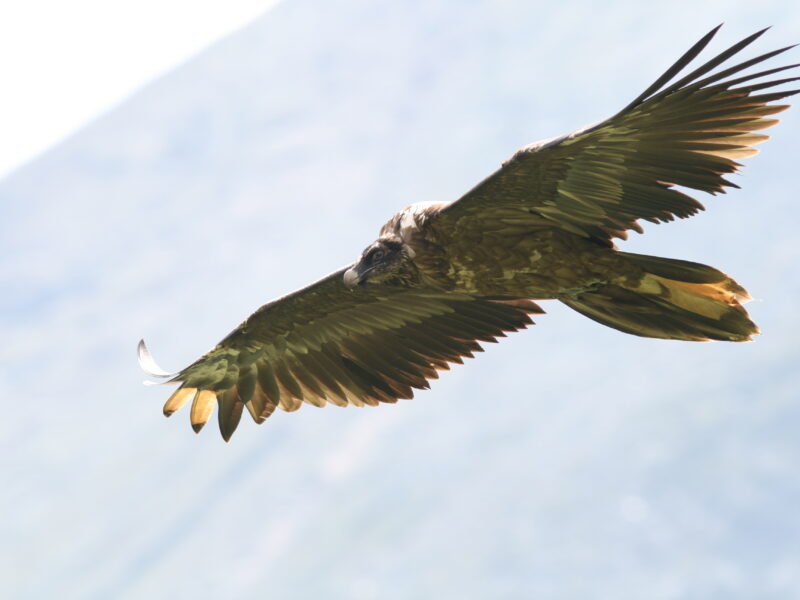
[
  {"x": 202, "y": 406},
  {"x": 177, "y": 400},
  {"x": 148, "y": 364}
]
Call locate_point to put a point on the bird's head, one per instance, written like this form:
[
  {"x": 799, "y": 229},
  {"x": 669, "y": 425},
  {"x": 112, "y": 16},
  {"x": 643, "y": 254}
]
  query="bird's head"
[{"x": 387, "y": 259}]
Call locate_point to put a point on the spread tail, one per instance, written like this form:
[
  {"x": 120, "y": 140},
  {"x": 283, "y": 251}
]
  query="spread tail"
[{"x": 675, "y": 299}]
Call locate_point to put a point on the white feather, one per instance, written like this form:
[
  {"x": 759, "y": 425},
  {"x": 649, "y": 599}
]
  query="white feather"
[
  {"x": 413, "y": 218},
  {"x": 148, "y": 363}
]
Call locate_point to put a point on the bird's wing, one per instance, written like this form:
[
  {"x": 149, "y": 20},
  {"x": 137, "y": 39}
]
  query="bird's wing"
[
  {"x": 327, "y": 343},
  {"x": 599, "y": 181}
]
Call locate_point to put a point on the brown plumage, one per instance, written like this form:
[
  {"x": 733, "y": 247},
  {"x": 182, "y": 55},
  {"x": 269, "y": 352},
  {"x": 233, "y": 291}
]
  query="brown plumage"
[{"x": 443, "y": 277}]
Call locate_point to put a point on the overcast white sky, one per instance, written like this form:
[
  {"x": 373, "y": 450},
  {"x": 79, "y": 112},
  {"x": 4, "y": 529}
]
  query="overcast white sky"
[
  {"x": 64, "y": 63},
  {"x": 567, "y": 462}
]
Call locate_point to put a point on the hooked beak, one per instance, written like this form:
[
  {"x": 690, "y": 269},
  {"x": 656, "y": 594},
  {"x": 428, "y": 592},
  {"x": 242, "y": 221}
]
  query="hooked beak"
[{"x": 351, "y": 277}]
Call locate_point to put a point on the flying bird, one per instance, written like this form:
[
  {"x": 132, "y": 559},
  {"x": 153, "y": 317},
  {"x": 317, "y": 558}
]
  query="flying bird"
[{"x": 443, "y": 276}]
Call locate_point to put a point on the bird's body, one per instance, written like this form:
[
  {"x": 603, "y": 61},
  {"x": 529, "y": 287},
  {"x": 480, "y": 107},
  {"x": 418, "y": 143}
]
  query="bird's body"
[
  {"x": 520, "y": 255},
  {"x": 443, "y": 276}
]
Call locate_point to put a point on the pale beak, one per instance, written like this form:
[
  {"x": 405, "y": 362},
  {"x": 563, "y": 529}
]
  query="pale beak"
[{"x": 351, "y": 278}]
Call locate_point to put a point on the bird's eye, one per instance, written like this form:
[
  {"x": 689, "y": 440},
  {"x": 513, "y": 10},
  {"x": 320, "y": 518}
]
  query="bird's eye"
[{"x": 376, "y": 255}]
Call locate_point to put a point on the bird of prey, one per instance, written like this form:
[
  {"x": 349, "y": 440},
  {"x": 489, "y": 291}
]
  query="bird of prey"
[{"x": 442, "y": 277}]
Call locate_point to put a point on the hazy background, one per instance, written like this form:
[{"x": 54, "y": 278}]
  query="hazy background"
[
  {"x": 64, "y": 63},
  {"x": 570, "y": 461}
]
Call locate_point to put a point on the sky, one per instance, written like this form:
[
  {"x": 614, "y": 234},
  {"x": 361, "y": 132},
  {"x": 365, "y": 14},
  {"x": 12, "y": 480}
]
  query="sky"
[
  {"x": 569, "y": 461},
  {"x": 64, "y": 63}
]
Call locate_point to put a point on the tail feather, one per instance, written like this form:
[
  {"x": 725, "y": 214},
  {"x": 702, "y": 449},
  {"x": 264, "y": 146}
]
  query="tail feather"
[
  {"x": 686, "y": 271},
  {"x": 675, "y": 299}
]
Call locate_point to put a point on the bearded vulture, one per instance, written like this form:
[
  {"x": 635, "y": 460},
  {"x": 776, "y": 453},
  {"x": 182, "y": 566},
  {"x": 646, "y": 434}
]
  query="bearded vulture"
[{"x": 443, "y": 276}]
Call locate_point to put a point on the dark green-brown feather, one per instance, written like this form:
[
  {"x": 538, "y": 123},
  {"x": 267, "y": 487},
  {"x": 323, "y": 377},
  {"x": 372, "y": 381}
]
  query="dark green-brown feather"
[
  {"x": 327, "y": 343},
  {"x": 599, "y": 181}
]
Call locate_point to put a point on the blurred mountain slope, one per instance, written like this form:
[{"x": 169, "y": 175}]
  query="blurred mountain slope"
[{"x": 570, "y": 461}]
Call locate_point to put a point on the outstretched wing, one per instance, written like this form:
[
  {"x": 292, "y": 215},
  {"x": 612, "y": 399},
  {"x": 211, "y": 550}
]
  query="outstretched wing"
[
  {"x": 327, "y": 343},
  {"x": 599, "y": 181}
]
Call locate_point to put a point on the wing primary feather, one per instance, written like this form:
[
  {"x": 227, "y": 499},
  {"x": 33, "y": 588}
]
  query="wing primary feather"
[
  {"x": 246, "y": 383},
  {"x": 312, "y": 391},
  {"x": 385, "y": 359},
  {"x": 415, "y": 360},
  {"x": 377, "y": 385},
  {"x": 178, "y": 399},
  {"x": 436, "y": 359},
  {"x": 291, "y": 394},
  {"x": 370, "y": 356},
  {"x": 269, "y": 405},
  {"x": 704, "y": 83},
  {"x": 258, "y": 404},
  {"x": 768, "y": 84},
  {"x": 676, "y": 68},
  {"x": 202, "y": 405},
  {"x": 717, "y": 60},
  {"x": 333, "y": 359},
  {"x": 267, "y": 383},
  {"x": 451, "y": 350},
  {"x": 229, "y": 412},
  {"x": 319, "y": 368},
  {"x": 148, "y": 364},
  {"x": 254, "y": 413},
  {"x": 737, "y": 81}
]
